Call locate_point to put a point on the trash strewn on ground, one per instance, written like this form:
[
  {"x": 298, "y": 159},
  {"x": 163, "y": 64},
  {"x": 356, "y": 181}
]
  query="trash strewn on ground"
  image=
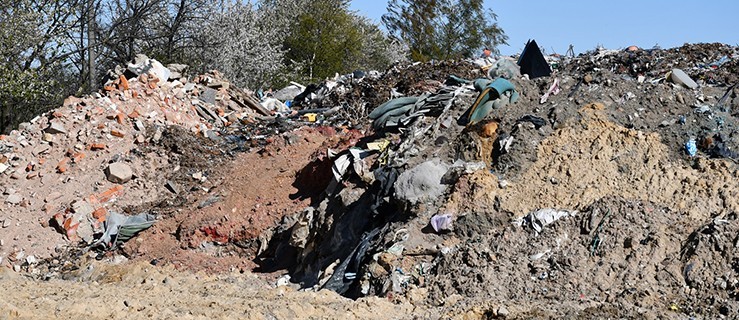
[{"x": 606, "y": 181}]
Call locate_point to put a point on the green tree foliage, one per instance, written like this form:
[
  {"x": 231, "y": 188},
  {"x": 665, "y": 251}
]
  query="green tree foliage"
[
  {"x": 378, "y": 51},
  {"x": 324, "y": 38},
  {"x": 443, "y": 29},
  {"x": 52, "y": 48},
  {"x": 34, "y": 61}
]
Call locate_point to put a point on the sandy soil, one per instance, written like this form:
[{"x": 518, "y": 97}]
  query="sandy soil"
[{"x": 138, "y": 291}]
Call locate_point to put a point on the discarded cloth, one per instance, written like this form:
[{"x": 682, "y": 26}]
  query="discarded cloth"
[
  {"x": 403, "y": 111},
  {"x": 538, "y": 122},
  {"x": 532, "y": 61},
  {"x": 442, "y": 222},
  {"x": 539, "y": 219},
  {"x": 504, "y": 68},
  {"x": 273, "y": 104},
  {"x": 341, "y": 165},
  {"x": 495, "y": 94},
  {"x": 691, "y": 148},
  {"x": 289, "y": 92},
  {"x": 553, "y": 90},
  {"x": 120, "y": 228},
  {"x": 422, "y": 183}
]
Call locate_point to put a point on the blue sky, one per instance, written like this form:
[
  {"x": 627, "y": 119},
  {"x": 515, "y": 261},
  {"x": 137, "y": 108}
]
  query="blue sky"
[{"x": 614, "y": 24}]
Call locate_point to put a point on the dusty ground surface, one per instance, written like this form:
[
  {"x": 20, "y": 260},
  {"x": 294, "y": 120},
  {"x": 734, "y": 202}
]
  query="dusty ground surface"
[
  {"x": 139, "y": 291},
  {"x": 651, "y": 232}
]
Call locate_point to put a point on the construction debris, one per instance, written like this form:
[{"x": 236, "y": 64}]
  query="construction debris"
[{"x": 367, "y": 186}]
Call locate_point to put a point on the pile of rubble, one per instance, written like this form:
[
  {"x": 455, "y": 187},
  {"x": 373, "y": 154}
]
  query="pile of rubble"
[
  {"x": 78, "y": 167},
  {"x": 588, "y": 171},
  {"x": 712, "y": 63},
  {"x": 488, "y": 188}
]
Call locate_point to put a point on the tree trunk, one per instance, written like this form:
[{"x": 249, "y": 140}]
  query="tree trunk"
[{"x": 91, "y": 54}]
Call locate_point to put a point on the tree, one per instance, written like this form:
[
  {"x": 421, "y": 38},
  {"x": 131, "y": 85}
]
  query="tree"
[
  {"x": 324, "y": 38},
  {"x": 177, "y": 26},
  {"x": 34, "y": 65},
  {"x": 238, "y": 44},
  {"x": 413, "y": 23},
  {"x": 443, "y": 29},
  {"x": 378, "y": 51}
]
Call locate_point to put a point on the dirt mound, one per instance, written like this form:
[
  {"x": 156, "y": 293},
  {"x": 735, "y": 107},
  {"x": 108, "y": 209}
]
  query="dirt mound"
[
  {"x": 710, "y": 62},
  {"x": 221, "y": 223},
  {"x": 614, "y": 252},
  {"x": 608, "y": 144},
  {"x": 614, "y": 196}
]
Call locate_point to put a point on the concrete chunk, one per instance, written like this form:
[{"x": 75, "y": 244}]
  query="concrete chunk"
[
  {"x": 56, "y": 127},
  {"x": 422, "y": 183},
  {"x": 14, "y": 199},
  {"x": 119, "y": 172},
  {"x": 680, "y": 77}
]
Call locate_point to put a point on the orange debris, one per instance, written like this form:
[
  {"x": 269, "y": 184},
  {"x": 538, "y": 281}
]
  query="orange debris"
[
  {"x": 61, "y": 167},
  {"x": 106, "y": 195},
  {"x": 97, "y": 146},
  {"x": 100, "y": 214},
  {"x": 77, "y": 157},
  {"x": 124, "y": 82}
]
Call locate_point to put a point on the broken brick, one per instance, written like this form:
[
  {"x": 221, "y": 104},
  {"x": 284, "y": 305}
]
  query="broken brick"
[
  {"x": 117, "y": 133},
  {"x": 71, "y": 101},
  {"x": 61, "y": 167},
  {"x": 77, "y": 157},
  {"x": 108, "y": 88},
  {"x": 56, "y": 127},
  {"x": 107, "y": 195},
  {"x": 119, "y": 118},
  {"x": 71, "y": 229},
  {"x": 99, "y": 214},
  {"x": 97, "y": 146},
  {"x": 123, "y": 82}
]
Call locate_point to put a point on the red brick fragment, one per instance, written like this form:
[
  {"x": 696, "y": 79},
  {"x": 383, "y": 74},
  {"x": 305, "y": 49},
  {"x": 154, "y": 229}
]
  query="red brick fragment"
[
  {"x": 123, "y": 83},
  {"x": 117, "y": 133},
  {"x": 100, "y": 214},
  {"x": 61, "y": 167},
  {"x": 97, "y": 146}
]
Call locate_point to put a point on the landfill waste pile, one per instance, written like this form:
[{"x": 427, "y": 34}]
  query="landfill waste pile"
[{"x": 596, "y": 186}]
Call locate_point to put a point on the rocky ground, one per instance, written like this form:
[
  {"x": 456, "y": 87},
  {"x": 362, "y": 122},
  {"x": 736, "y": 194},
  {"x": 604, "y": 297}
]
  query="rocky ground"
[{"x": 251, "y": 224}]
